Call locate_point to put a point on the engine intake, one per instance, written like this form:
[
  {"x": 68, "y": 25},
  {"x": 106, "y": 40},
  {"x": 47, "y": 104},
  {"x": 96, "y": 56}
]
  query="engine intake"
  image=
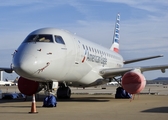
[
  {"x": 133, "y": 82},
  {"x": 29, "y": 87}
]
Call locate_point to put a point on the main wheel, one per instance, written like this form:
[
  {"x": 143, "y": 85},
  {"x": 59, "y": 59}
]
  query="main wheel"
[{"x": 63, "y": 92}]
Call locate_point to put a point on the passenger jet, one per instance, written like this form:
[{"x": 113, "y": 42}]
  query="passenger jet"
[{"x": 50, "y": 55}]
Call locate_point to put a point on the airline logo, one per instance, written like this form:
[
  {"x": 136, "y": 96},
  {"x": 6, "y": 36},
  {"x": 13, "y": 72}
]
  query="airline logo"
[
  {"x": 94, "y": 58},
  {"x": 117, "y": 29},
  {"x": 97, "y": 59},
  {"x": 116, "y": 37},
  {"x": 116, "y": 50}
]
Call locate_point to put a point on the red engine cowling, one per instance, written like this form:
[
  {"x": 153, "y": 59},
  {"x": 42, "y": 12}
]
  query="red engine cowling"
[
  {"x": 28, "y": 87},
  {"x": 133, "y": 82}
]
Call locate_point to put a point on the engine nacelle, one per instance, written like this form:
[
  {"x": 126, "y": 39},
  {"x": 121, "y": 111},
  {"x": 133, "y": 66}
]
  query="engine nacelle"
[
  {"x": 133, "y": 82},
  {"x": 29, "y": 87}
]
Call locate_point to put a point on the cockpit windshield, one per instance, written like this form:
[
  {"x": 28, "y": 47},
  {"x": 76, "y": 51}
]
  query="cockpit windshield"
[{"x": 39, "y": 38}]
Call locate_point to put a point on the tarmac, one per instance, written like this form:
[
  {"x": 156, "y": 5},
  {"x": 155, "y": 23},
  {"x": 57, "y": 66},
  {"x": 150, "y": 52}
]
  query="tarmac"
[{"x": 91, "y": 103}]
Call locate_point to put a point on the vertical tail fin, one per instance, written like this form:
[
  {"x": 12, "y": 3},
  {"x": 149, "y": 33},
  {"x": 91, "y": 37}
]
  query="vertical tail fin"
[{"x": 116, "y": 37}]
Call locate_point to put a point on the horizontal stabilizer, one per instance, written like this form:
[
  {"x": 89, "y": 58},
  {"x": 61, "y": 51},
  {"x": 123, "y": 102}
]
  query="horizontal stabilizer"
[{"x": 141, "y": 59}]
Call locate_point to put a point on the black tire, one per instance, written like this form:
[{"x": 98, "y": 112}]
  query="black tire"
[{"x": 63, "y": 93}]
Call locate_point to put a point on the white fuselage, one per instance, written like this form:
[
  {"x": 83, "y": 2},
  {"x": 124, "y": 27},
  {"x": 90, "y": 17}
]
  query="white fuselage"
[{"x": 77, "y": 62}]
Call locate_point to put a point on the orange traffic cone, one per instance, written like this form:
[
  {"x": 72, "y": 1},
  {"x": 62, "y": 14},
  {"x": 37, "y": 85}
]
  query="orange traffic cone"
[{"x": 33, "y": 106}]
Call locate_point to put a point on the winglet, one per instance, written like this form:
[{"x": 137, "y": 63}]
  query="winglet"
[{"x": 116, "y": 37}]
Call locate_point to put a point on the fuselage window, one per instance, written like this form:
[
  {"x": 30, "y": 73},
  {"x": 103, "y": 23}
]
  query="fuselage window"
[
  {"x": 92, "y": 49},
  {"x": 98, "y": 51},
  {"x": 39, "y": 38},
  {"x": 89, "y": 48},
  {"x": 86, "y": 48},
  {"x": 83, "y": 47},
  {"x": 59, "y": 39},
  {"x": 95, "y": 51}
]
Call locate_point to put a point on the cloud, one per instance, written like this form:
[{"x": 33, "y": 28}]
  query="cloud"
[
  {"x": 149, "y": 34},
  {"x": 139, "y": 33},
  {"x": 148, "y": 5},
  {"x": 16, "y": 2}
]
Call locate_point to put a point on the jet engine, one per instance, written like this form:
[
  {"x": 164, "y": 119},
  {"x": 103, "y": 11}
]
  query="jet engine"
[
  {"x": 29, "y": 87},
  {"x": 133, "y": 82}
]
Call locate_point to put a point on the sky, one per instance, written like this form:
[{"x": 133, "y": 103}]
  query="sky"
[{"x": 143, "y": 26}]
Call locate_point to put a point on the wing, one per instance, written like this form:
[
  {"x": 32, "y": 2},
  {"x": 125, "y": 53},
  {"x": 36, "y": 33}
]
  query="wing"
[
  {"x": 114, "y": 72},
  {"x": 141, "y": 59},
  {"x": 8, "y": 70}
]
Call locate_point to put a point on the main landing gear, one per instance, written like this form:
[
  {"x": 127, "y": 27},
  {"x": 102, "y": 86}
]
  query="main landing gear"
[{"x": 63, "y": 91}]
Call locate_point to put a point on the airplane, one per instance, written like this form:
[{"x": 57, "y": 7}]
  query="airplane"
[
  {"x": 112, "y": 83},
  {"x": 50, "y": 55},
  {"x": 6, "y": 82}
]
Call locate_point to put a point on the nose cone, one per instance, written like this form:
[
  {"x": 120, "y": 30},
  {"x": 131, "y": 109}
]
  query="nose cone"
[{"x": 25, "y": 64}]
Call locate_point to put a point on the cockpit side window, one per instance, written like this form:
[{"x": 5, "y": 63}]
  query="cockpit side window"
[
  {"x": 39, "y": 38},
  {"x": 59, "y": 39}
]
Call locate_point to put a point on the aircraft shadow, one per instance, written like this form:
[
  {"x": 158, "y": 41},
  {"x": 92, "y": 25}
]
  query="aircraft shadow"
[
  {"x": 40, "y": 98},
  {"x": 157, "y": 110},
  {"x": 86, "y": 99},
  {"x": 37, "y": 106},
  {"x": 14, "y": 112}
]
